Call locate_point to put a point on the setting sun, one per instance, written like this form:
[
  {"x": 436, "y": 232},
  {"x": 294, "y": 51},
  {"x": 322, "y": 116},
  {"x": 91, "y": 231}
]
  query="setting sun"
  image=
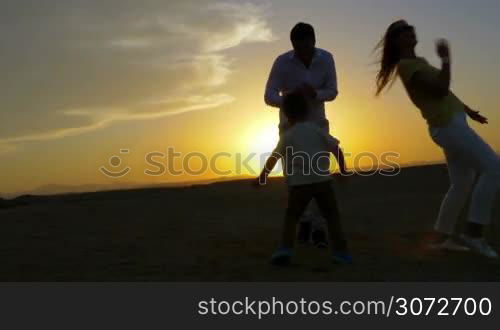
[{"x": 263, "y": 139}]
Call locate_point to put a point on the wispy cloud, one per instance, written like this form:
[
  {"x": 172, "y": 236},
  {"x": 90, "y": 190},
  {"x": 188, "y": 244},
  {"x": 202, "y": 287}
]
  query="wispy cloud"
[
  {"x": 107, "y": 116},
  {"x": 105, "y": 61}
]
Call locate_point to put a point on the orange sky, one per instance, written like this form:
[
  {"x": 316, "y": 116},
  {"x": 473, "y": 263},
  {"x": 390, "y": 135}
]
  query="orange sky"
[{"x": 84, "y": 83}]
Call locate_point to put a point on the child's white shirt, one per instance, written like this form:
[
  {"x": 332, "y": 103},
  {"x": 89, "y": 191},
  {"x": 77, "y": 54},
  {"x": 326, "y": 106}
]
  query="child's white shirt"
[{"x": 305, "y": 149}]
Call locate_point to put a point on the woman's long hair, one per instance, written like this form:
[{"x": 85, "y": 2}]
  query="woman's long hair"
[{"x": 388, "y": 57}]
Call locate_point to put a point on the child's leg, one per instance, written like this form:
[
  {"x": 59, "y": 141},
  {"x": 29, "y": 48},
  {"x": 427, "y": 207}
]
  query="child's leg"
[
  {"x": 313, "y": 216},
  {"x": 298, "y": 199},
  {"x": 327, "y": 203},
  {"x": 339, "y": 156}
]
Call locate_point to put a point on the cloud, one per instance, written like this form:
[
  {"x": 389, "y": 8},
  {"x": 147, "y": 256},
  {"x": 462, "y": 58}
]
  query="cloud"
[
  {"x": 106, "y": 116},
  {"x": 247, "y": 26},
  {"x": 72, "y": 66}
]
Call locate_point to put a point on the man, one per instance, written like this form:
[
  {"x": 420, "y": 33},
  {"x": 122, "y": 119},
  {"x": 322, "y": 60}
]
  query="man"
[{"x": 311, "y": 72}]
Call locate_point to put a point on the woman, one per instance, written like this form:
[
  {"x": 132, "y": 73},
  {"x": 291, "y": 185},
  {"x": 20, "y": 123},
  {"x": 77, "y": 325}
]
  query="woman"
[{"x": 467, "y": 155}]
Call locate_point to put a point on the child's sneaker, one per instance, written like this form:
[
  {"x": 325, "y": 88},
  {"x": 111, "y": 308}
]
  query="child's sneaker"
[
  {"x": 282, "y": 256},
  {"x": 341, "y": 258}
]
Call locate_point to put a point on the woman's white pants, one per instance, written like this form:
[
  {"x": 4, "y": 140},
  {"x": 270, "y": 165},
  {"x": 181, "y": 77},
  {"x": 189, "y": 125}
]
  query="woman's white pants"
[{"x": 473, "y": 166}]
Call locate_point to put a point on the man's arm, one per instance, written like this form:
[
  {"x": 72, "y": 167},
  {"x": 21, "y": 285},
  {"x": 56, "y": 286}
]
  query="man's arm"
[
  {"x": 272, "y": 95},
  {"x": 330, "y": 91}
]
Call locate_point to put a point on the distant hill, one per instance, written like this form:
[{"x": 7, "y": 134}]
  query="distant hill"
[{"x": 58, "y": 189}]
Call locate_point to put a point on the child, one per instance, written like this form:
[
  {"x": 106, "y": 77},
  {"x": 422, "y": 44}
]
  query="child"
[{"x": 304, "y": 148}]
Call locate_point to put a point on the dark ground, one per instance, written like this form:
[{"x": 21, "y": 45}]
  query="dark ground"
[{"x": 227, "y": 231}]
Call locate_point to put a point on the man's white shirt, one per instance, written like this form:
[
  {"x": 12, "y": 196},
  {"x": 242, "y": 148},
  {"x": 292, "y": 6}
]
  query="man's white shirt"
[{"x": 289, "y": 73}]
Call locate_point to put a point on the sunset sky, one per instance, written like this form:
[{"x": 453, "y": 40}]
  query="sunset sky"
[{"x": 83, "y": 79}]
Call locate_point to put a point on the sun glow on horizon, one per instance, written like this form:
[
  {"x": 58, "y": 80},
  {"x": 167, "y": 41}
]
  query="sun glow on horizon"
[
  {"x": 258, "y": 143},
  {"x": 262, "y": 139}
]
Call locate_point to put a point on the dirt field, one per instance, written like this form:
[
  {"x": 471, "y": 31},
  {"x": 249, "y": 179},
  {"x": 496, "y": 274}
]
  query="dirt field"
[{"x": 227, "y": 231}]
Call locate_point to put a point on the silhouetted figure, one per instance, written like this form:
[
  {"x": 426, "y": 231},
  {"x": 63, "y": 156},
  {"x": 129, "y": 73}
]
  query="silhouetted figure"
[
  {"x": 311, "y": 72},
  {"x": 307, "y": 172},
  {"x": 467, "y": 154}
]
